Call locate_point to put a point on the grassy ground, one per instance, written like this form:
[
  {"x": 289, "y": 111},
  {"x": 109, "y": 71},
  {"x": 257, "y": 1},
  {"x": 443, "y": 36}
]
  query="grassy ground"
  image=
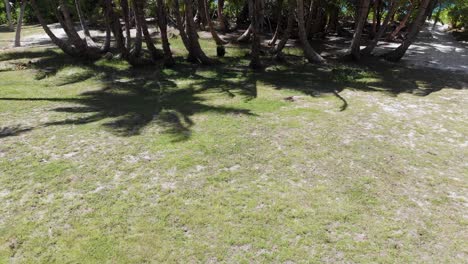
[
  {"x": 102, "y": 163},
  {"x": 7, "y": 37}
]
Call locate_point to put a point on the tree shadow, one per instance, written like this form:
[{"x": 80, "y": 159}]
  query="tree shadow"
[
  {"x": 13, "y": 131},
  {"x": 132, "y": 98}
]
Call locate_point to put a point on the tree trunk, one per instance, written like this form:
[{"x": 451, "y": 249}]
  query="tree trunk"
[
  {"x": 116, "y": 28},
  {"x": 219, "y": 41},
  {"x": 399, "y": 52},
  {"x": 193, "y": 36},
  {"x": 245, "y": 37},
  {"x": 84, "y": 26},
  {"x": 372, "y": 44},
  {"x": 126, "y": 15},
  {"x": 437, "y": 17},
  {"x": 180, "y": 26},
  {"x": 333, "y": 20},
  {"x": 356, "y": 42},
  {"x": 107, "y": 42},
  {"x": 279, "y": 7},
  {"x": 254, "y": 8},
  {"x": 20, "y": 24},
  {"x": 401, "y": 25},
  {"x": 162, "y": 23},
  {"x": 202, "y": 14},
  {"x": 68, "y": 49},
  {"x": 139, "y": 14},
  {"x": 8, "y": 13},
  {"x": 223, "y": 23},
  {"x": 69, "y": 28},
  {"x": 309, "y": 52},
  {"x": 284, "y": 39},
  {"x": 139, "y": 17}
]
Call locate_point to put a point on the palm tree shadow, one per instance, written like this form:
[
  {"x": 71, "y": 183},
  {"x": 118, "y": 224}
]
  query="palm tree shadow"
[
  {"x": 131, "y": 99},
  {"x": 13, "y": 131}
]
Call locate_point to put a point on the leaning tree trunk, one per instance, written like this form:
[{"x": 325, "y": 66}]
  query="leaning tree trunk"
[
  {"x": 63, "y": 45},
  {"x": 69, "y": 27},
  {"x": 8, "y": 13},
  {"x": 278, "y": 23},
  {"x": 437, "y": 17},
  {"x": 287, "y": 32},
  {"x": 20, "y": 24},
  {"x": 399, "y": 52},
  {"x": 84, "y": 26},
  {"x": 401, "y": 25},
  {"x": 193, "y": 36},
  {"x": 255, "y": 18},
  {"x": 116, "y": 28},
  {"x": 139, "y": 14},
  {"x": 245, "y": 37},
  {"x": 355, "y": 48},
  {"x": 162, "y": 23},
  {"x": 309, "y": 52},
  {"x": 183, "y": 35},
  {"x": 373, "y": 43},
  {"x": 220, "y": 50}
]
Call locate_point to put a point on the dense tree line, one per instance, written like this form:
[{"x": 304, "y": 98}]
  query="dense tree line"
[{"x": 306, "y": 20}]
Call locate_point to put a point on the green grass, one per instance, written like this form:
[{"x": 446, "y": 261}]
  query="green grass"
[
  {"x": 102, "y": 163},
  {"x": 7, "y": 37}
]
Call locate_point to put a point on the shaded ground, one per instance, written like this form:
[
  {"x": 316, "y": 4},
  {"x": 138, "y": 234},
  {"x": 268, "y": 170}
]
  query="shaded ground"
[{"x": 100, "y": 162}]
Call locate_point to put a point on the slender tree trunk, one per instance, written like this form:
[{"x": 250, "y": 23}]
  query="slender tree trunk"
[
  {"x": 202, "y": 15},
  {"x": 437, "y": 16},
  {"x": 139, "y": 17},
  {"x": 279, "y": 7},
  {"x": 287, "y": 32},
  {"x": 126, "y": 15},
  {"x": 193, "y": 36},
  {"x": 69, "y": 27},
  {"x": 401, "y": 25},
  {"x": 116, "y": 28},
  {"x": 68, "y": 49},
  {"x": 254, "y": 9},
  {"x": 107, "y": 42},
  {"x": 372, "y": 44},
  {"x": 362, "y": 18},
  {"x": 399, "y": 52},
  {"x": 309, "y": 52},
  {"x": 312, "y": 15},
  {"x": 139, "y": 14},
  {"x": 223, "y": 23},
  {"x": 180, "y": 26},
  {"x": 162, "y": 23},
  {"x": 89, "y": 40},
  {"x": 220, "y": 50},
  {"x": 20, "y": 24},
  {"x": 8, "y": 13}
]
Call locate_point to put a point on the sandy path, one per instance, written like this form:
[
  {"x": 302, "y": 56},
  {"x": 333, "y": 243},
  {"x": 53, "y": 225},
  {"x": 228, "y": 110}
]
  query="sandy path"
[{"x": 434, "y": 49}]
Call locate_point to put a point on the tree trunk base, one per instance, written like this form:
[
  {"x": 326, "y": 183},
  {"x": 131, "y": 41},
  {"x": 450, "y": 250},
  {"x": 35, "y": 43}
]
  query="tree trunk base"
[{"x": 220, "y": 51}]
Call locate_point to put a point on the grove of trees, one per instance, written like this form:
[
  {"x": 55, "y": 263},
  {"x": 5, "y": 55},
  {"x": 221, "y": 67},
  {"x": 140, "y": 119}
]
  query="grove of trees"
[{"x": 308, "y": 21}]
